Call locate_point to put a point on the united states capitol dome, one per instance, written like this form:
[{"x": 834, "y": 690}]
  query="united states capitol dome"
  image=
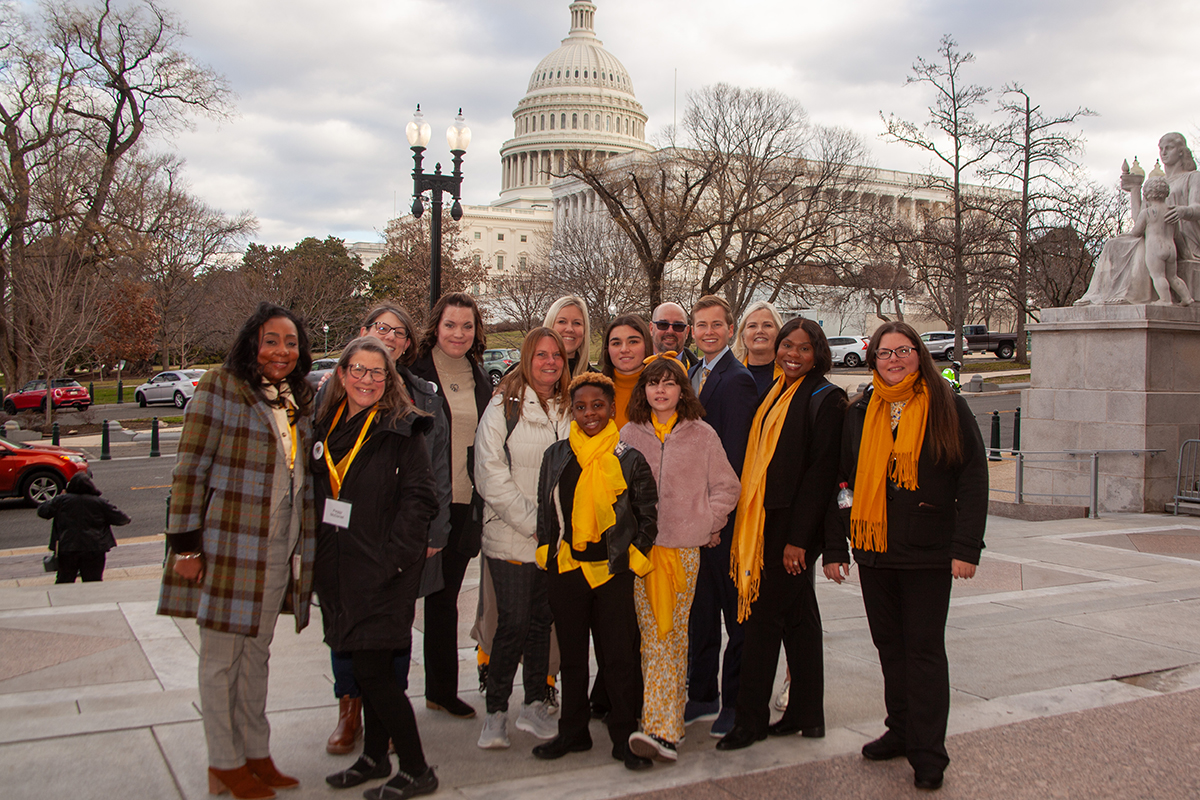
[{"x": 580, "y": 98}]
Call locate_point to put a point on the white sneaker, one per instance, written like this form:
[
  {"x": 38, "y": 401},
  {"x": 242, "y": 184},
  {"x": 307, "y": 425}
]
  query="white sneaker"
[
  {"x": 781, "y": 700},
  {"x": 535, "y": 719},
  {"x": 494, "y": 735}
]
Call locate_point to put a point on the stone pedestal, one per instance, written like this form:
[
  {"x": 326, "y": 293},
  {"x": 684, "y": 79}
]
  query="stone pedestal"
[{"x": 1112, "y": 377}]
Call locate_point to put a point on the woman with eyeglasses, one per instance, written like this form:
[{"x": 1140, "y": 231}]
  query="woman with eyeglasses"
[
  {"x": 627, "y": 343},
  {"x": 913, "y": 457},
  {"x": 375, "y": 497},
  {"x": 754, "y": 344},
  {"x": 392, "y": 326}
]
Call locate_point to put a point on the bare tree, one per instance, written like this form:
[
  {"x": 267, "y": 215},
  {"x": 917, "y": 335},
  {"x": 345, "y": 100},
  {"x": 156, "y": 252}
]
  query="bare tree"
[
  {"x": 589, "y": 258},
  {"x": 402, "y": 273},
  {"x": 954, "y": 136},
  {"x": 1063, "y": 251},
  {"x": 523, "y": 293}
]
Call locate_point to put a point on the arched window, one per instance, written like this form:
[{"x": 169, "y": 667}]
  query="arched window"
[
  {"x": 574, "y": 121},
  {"x": 608, "y": 123},
  {"x": 585, "y": 72},
  {"x": 560, "y": 73},
  {"x": 543, "y": 122},
  {"x": 551, "y": 122},
  {"x": 597, "y": 122},
  {"x": 585, "y": 122},
  {"x": 562, "y": 122},
  {"x": 576, "y": 73}
]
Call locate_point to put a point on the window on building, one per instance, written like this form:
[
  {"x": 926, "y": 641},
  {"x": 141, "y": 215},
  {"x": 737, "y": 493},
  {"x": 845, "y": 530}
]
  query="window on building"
[
  {"x": 574, "y": 121},
  {"x": 499, "y": 237},
  {"x": 585, "y": 72},
  {"x": 608, "y": 123},
  {"x": 499, "y": 262},
  {"x": 551, "y": 122},
  {"x": 524, "y": 238},
  {"x": 475, "y": 259},
  {"x": 562, "y": 122},
  {"x": 543, "y": 122},
  {"x": 478, "y": 235},
  {"x": 521, "y": 261},
  {"x": 597, "y": 122},
  {"x": 585, "y": 122},
  {"x": 576, "y": 73}
]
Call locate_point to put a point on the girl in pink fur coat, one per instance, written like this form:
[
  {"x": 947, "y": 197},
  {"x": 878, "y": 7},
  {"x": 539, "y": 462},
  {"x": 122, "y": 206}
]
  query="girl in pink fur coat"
[{"x": 698, "y": 489}]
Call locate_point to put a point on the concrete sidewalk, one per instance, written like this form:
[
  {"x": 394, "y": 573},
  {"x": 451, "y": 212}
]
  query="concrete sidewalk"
[{"x": 1072, "y": 653}]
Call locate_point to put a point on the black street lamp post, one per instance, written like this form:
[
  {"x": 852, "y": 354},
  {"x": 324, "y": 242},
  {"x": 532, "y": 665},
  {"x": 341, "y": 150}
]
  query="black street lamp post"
[{"x": 458, "y": 136}]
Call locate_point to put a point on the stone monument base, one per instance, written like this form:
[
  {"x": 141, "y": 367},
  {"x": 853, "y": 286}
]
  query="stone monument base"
[{"x": 1111, "y": 377}]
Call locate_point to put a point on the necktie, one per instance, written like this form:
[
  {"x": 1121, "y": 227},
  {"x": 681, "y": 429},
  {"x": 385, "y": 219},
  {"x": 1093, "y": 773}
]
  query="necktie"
[{"x": 703, "y": 377}]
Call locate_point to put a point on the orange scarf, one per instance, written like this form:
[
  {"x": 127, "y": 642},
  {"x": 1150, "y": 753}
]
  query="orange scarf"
[{"x": 880, "y": 456}]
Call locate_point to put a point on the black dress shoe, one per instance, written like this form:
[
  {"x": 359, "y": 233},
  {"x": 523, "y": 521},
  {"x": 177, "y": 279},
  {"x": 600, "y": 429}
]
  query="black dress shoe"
[
  {"x": 786, "y": 728},
  {"x": 452, "y": 706},
  {"x": 621, "y": 752},
  {"x": 361, "y": 771},
  {"x": 883, "y": 748},
  {"x": 740, "y": 737},
  {"x": 928, "y": 780},
  {"x": 559, "y": 747}
]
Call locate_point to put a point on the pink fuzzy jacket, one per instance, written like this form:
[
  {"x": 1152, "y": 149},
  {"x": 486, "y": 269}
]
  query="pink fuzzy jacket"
[{"x": 697, "y": 489}]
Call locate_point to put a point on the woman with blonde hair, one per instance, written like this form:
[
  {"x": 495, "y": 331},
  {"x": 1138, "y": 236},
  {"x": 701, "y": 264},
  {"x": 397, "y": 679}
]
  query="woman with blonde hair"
[
  {"x": 568, "y": 317},
  {"x": 754, "y": 344}
]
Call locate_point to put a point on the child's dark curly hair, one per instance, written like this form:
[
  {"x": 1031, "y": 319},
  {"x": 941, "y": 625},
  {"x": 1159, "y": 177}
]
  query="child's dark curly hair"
[{"x": 599, "y": 380}]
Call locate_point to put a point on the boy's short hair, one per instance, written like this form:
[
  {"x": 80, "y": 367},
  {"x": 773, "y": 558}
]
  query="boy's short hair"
[
  {"x": 1156, "y": 189},
  {"x": 599, "y": 380},
  {"x": 710, "y": 301}
]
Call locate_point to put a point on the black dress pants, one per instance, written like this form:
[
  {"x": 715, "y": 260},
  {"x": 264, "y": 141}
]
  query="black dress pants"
[
  {"x": 607, "y": 610},
  {"x": 715, "y": 602},
  {"x": 387, "y": 713},
  {"x": 906, "y": 610},
  {"x": 87, "y": 565},
  {"x": 785, "y": 612},
  {"x": 441, "y": 614}
]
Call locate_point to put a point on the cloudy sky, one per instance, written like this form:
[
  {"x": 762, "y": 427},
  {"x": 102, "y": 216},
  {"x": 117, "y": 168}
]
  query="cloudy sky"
[{"x": 316, "y": 146}]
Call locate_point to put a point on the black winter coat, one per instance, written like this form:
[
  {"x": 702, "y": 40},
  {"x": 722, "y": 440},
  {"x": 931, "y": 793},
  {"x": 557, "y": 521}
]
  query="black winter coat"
[
  {"x": 82, "y": 520},
  {"x": 636, "y": 508},
  {"x": 367, "y": 575},
  {"x": 942, "y": 519}
]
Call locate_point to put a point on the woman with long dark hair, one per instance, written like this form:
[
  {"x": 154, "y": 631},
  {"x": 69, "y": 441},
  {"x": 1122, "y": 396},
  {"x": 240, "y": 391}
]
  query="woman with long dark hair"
[
  {"x": 240, "y": 531},
  {"x": 627, "y": 344},
  {"x": 788, "y": 479},
  {"x": 449, "y": 356},
  {"x": 375, "y": 492},
  {"x": 914, "y": 459}
]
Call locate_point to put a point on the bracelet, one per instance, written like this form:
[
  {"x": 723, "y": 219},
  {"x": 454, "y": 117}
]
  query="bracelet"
[{"x": 188, "y": 556}]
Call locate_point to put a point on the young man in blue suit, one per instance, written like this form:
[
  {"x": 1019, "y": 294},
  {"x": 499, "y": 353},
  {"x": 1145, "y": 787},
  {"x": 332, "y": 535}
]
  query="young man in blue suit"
[{"x": 729, "y": 396}]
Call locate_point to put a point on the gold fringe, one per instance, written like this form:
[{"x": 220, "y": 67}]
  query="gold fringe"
[
  {"x": 745, "y": 601},
  {"x": 904, "y": 470},
  {"x": 868, "y": 535}
]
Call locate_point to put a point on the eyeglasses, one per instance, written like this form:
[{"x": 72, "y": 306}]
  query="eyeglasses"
[
  {"x": 384, "y": 329},
  {"x": 884, "y": 353},
  {"x": 678, "y": 327},
  {"x": 358, "y": 371}
]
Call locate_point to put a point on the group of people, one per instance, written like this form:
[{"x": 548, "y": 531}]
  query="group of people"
[{"x": 641, "y": 508}]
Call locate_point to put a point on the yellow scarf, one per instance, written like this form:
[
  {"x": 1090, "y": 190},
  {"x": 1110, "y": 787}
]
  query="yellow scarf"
[
  {"x": 746, "y": 555},
  {"x": 663, "y": 583},
  {"x": 600, "y": 481},
  {"x": 880, "y": 455},
  {"x": 660, "y": 430}
]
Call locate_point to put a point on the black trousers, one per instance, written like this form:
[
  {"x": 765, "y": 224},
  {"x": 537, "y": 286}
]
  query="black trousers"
[
  {"x": 785, "y": 612},
  {"x": 387, "y": 714},
  {"x": 716, "y": 601},
  {"x": 522, "y": 629},
  {"x": 906, "y": 610},
  {"x": 441, "y": 615},
  {"x": 608, "y": 611},
  {"x": 89, "y": 566}
]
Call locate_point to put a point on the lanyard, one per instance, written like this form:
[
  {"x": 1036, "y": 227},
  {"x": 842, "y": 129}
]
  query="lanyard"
[{"x": 337, "y": 472}]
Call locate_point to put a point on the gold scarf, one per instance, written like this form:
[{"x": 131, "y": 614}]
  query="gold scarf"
[
  {"x": 599, "y": 484},
  {"x": 746, "y": 555},
  {"x": 880, "y": 455},
  {"x": 661, "y": 430},
  {"x": 663, "y": 583}
]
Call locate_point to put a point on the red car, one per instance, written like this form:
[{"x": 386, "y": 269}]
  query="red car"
[
  {"x": 37, "y": 472},
  {"x": 33, "y": 395}
]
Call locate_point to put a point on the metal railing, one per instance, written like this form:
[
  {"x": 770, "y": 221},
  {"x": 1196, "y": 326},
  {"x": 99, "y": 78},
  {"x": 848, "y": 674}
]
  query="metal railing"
[
  {"x": 1054, "y": 456},
  {"x": 1187, "y": 477}
]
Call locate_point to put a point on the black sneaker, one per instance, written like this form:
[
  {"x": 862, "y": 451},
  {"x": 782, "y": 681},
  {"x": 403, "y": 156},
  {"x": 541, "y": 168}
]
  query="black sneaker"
[
  {"x": 404, "y": 786},
  {"x": 647, "y": 745},
  {"x": 363, "y": 770}
]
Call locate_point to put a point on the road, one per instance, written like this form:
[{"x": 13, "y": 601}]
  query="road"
[{"x": 99, "y": 413}]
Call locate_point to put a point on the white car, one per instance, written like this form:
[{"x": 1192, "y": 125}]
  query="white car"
[
  {"x": 941, "y": 344},
  {"x": 849, "y": 351},
  {"x": 174, "y": 386}
]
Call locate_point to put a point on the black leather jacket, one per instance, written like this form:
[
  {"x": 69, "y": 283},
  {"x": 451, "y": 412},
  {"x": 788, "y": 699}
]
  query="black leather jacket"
[{"x": 636, "y": 507}]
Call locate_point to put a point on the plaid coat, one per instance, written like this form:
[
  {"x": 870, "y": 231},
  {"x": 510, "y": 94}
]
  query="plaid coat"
[{"x": 222, "y": 487}]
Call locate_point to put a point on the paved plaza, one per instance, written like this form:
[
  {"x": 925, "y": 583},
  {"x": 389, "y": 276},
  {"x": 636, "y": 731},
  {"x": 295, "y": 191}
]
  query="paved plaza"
[{"x": 1075, "y": 662}]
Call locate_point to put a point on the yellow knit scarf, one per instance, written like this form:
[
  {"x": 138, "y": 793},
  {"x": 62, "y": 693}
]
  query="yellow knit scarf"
[
  {"x": 599, "y": 484},
  {"x": 746, "y": 555},
  {"x": 880, "y": 455}
]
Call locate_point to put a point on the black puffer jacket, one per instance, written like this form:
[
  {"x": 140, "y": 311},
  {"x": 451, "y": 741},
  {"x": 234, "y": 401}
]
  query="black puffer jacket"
[
  {"x": 636, "y": 507},
  {"x": 942, "y": 519},
  {"x": 367, "y": 575},
  {"x": 82, "y": 520}
]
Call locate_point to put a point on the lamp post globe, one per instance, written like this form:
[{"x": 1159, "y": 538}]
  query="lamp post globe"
[{"x": 326, "y": 327}]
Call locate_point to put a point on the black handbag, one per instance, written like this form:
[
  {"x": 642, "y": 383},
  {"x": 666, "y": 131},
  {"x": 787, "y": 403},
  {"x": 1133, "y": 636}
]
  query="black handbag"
[{"x": 50, "y": 562}]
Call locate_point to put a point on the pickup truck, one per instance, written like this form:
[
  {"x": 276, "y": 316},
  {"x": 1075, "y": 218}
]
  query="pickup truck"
[{"x": 985, "y": 341}]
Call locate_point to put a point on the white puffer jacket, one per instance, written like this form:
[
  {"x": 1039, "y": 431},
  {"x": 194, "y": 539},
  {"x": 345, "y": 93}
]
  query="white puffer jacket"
[{"x": 510, "y": 491}]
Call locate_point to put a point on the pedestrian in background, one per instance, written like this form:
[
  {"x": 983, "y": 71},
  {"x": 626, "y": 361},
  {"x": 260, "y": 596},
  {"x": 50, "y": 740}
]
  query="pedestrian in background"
[{"x": 81, "y": 530}]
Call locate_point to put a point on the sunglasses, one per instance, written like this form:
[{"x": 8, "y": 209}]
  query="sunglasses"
[{"x": 678, "y": 327}]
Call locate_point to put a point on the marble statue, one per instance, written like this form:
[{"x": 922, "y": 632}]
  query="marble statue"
[{"x": 1124, "y": 269}]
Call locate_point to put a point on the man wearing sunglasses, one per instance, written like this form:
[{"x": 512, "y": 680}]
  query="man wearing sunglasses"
[{"x": 670, "y": 330}]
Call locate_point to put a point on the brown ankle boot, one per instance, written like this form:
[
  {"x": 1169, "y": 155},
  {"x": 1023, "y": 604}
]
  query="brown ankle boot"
[
  {"x": 241, "y": 782},
  {"x": 349, "y": 727},
  {"x": 264, "y": 769}
]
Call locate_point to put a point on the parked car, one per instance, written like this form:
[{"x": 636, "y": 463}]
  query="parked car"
[
  {"x": 849, "y": 351},
  {"x": 37, "y": 472},
  {"x": 176, "y": 386},
  {"x": 320, "y": 368},
  {"x": 985, "y": 341},
  {"x": 941, "y": 344},
  {"x": 499, "y": 361},
  {"x": 65, "y": 392}
]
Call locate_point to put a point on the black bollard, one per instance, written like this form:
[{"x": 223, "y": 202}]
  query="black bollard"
[
  {"x": 54, "y": 434},
  {"x": 994, "y": 453},
  {"x": 105, "y": 453},
  {"x": 154, "y": 438},
  {"x": 120, "y": 391},
  {"x": 92, "y": 392},
  {"x": 1016, "y": 431}
]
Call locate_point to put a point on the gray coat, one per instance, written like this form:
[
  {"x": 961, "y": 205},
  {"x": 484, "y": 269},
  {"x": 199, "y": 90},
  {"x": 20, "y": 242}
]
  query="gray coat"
[{"x": 425, "y": 396}]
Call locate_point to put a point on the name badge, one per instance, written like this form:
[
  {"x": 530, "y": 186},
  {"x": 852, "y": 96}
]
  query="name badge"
[{"x": 337, "y": 513}]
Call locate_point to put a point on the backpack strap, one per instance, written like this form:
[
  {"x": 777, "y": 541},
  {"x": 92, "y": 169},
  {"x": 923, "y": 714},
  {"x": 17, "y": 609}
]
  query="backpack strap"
[
  {"x": 814, "y": 404},
  {"x": 511, "y": 417}
]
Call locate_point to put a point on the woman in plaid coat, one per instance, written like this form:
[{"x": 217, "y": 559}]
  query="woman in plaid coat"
[{"x": 241, "y": 532}]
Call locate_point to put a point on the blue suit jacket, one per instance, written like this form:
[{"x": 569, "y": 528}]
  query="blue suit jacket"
[{"x": 730, "y": 398}]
